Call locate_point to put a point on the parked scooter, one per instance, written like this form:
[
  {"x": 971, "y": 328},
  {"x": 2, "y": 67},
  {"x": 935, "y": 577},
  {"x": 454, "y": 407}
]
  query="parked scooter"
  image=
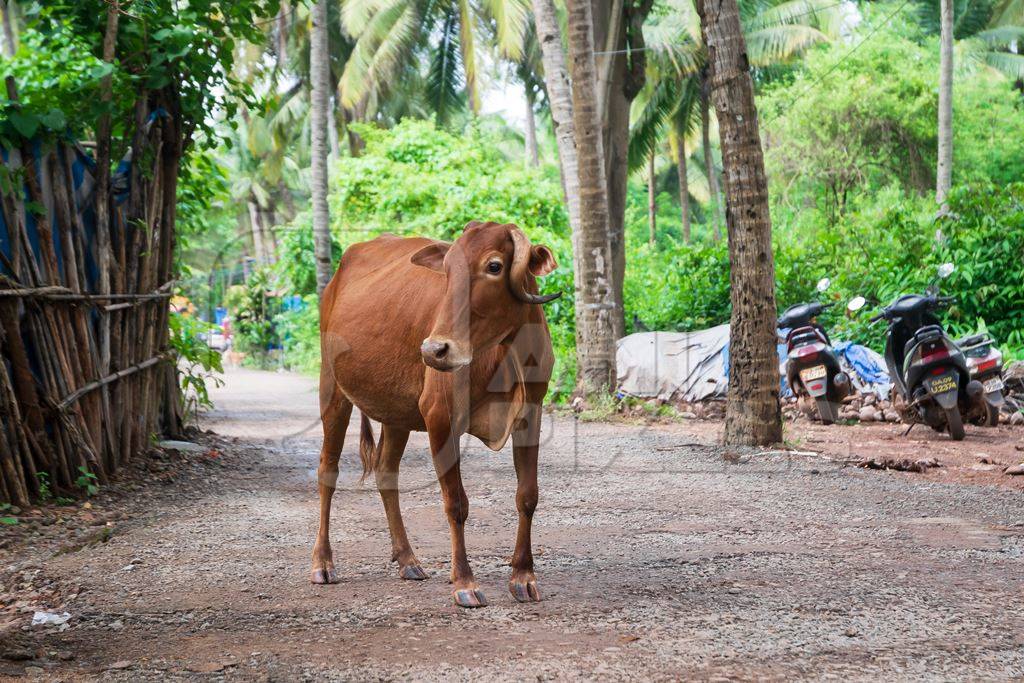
[
  {"x": 812, "y": 366},
  {"x": 985, "y": 363},
  {"x": 931, "y": 380}
]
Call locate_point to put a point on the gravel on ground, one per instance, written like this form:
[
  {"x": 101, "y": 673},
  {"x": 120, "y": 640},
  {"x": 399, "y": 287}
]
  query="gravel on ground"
[{"x": 660, "y": 555}]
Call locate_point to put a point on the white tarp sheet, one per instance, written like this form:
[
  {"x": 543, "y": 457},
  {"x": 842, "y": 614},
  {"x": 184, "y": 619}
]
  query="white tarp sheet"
[
  {"x": 688, "y": 366},
  {"x": 693, "y": 366}
]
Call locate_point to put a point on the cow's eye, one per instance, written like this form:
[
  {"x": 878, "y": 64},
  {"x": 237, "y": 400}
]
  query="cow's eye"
[{"x": 494, "y": 267}]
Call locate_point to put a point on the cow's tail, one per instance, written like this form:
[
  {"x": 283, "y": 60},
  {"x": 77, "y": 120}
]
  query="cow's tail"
[{"x": 369, "y": 452}]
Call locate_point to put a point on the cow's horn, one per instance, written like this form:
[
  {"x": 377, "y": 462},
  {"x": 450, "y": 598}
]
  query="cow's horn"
[{"x": 520, "y": 270}]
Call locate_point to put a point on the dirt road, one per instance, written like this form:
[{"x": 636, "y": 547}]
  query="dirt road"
[{"x": 657, "y": 558}]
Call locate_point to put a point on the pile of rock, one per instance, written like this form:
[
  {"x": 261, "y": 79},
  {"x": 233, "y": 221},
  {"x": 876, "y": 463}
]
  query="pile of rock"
[{"x": 867, "y": 408}]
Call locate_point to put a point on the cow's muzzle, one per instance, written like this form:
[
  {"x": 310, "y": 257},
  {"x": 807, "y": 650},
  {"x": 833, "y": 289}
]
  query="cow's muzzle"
[{"x": 443, "y": 354}]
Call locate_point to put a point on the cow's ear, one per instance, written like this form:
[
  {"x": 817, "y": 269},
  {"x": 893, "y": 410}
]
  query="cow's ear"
[
  {"x": 542, "y": 261},
  {"x": 432, "y": 256}
]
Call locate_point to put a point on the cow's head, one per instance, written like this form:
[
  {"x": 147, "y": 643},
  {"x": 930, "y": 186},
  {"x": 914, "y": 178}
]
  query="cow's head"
[{"x": 490, "y": 271}]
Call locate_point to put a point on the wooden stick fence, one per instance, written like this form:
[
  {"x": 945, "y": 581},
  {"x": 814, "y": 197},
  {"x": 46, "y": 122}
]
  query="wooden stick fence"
[{"x": 85, "y": 376}]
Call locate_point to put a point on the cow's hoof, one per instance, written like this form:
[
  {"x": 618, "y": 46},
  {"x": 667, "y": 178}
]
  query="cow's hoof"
[
  {"x": 524, "y": 590},
  {"x": 469, "y": 597},
  {"x": 324, "y": 576},
  {"x": 412, "y": 572}
]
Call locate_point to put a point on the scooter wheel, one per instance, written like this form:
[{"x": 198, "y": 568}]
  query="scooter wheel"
[
  {"x": 827, "y": 411},
  {"x": 955, "y": 424}
]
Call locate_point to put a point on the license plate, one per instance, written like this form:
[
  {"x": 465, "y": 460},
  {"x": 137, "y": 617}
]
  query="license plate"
[
  {"x": 994, "y": 384},
  {"x": 817, "y": 372},
  {"x": 941, "y": 385}
]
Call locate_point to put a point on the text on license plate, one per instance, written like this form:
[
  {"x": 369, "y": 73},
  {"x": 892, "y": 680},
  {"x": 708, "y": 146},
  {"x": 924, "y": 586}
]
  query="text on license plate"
[
  {"x": 941, "y": 385},
  {"x": 817, "y": 372},
  {"x": 994, "y": 384}
]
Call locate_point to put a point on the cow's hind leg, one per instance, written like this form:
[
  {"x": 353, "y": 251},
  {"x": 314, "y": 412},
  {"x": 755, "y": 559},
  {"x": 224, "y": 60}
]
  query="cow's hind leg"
[
  {"x": 392, "y": 445},
  {"x": 444, "y": 447},
  {"x": 525, "y": 442},
  {"x": 335, "y": 411}
]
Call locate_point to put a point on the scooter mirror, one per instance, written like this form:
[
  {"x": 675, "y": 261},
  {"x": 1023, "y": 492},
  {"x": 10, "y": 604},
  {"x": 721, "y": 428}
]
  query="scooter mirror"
[
  {"x": 823, "y": 284},
  {"x": 945, "y": 270},
  {"x": 856, "y": 303}
]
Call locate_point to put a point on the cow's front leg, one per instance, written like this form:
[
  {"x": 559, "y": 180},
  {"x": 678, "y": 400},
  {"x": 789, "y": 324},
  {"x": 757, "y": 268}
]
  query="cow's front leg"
[
  {"x": 525, "y": 443},
  {"x": 444, "y": 447}
]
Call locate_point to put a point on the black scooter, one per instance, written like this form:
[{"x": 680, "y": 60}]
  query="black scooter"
[
  {"x": 812, "y": 366},
  {"x": 931, "y": 380}
]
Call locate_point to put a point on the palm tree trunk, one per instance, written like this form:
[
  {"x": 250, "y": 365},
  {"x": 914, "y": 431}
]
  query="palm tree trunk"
[
  {"x": 10, "y": 39},
  {"x": 267, "y": 221},
  {"x": 595, "y": 304},
  {"x": 332, "y": 130},
  {"x": 259, "y": 251},
  {"x": 532, "y": 156},
  {"x": 709, "y": 159},
  {"x": 944, "y": 172},
  {"x": 318, "y": 66},
  {"x": 752, "y": 415},
  {"x": 684, "y": 187},
  {"x": 652, "y": 208},
  {"x": 556, "y": 78}
]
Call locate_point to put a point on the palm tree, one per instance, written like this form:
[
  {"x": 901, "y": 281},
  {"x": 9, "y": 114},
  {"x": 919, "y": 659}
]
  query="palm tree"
[
  {"x": 752, "y": 413},
  {"x": 776, "y": 31},
  {"x": 319, "y": 67},
  {"x": 595, "y": 303},
  {"x": 390, "y": 33}
]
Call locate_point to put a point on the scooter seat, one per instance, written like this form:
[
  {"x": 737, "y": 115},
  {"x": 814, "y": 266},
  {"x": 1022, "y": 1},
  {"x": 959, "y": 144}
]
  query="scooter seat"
[
  {"x": 972, "y": 340},
  {"x": 926, "y": 333}
]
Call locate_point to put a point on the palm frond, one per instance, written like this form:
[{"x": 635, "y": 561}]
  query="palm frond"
[
  {"x": 825, "y": 15},
  {"x": 1002, "y": 36},
  {"x": 775, "y": 44},
  {"x": 646, "y": 130},
  {"x": 357, "y": 14},
  {"x": 442, "y": 87},
  {"x": 1007, "y": 12},
  {"x": 1009, "y": 64},
  {"x": 511, "y": 18},
  {"x": 390, "y": 34},
  {"x": 686, "y": 117}
]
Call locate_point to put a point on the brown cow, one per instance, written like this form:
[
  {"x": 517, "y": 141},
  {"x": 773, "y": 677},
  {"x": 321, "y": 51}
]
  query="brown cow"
[{"x": 446, "y": 338}]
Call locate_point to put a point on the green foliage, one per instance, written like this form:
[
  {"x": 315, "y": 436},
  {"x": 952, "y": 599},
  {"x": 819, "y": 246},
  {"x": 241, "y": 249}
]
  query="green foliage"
[
  {"x": 849, "y": 126},
  {"x": 296, "y": 266},
  {"x": 6, "y": 519},
  {"x": 300, "y": 336},
  {"x": 87, "y": 481},
  {"x": 57, "y": 77},
  {"x": 188, "y": 47},
  {"x": 418, "y": 179},
  {"x": 862, "y": 125},
  {"x": 45, "y": 492},
  {"x": 197, "y": 363},
  {"x": 984, "y": 237},
  {"x": 253, "y": 310}
]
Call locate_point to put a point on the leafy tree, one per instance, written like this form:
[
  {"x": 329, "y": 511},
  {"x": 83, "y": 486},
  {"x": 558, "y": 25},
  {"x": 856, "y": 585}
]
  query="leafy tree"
[{"x": 851, "y": 124}]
